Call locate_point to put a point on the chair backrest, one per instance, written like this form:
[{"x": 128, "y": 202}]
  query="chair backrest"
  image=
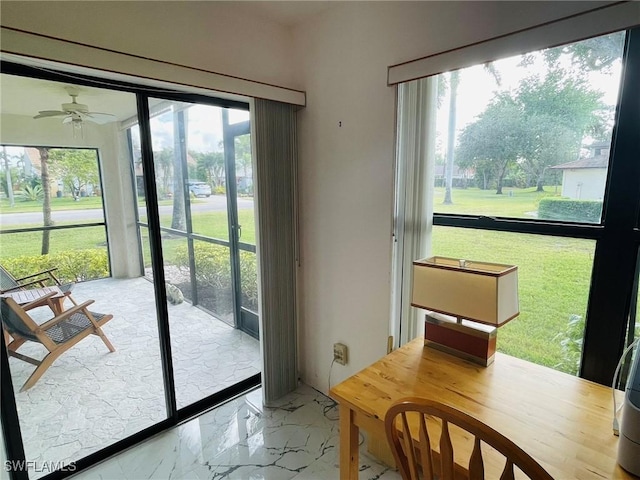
[
  {"x": 412, "y": 424},
  {"x": 7, "y": 281},
  {"x": 17, "y": 321}
]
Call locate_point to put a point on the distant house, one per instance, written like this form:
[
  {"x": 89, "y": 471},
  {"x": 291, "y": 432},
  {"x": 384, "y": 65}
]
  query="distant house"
[
  {"x": 585, "y": 178},
  {"x": 460, "y": 177}
]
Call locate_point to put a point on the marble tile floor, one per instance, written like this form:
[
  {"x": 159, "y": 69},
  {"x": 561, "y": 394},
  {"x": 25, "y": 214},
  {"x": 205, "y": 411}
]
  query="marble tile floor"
[
  {"x": 296, "y": 439},
  {"x": 90, "y": 397}
]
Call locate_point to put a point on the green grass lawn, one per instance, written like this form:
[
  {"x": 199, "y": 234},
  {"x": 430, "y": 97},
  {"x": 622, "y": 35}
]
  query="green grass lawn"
[
  {"x": 30, "y": 243},
  {"x": 514, "y": 202},
  {"x": 64, "y": 203}
]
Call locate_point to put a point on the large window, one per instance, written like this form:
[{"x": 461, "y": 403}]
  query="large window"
[
  {"x": 534, "y": 164},
  {"x": 529, "y": 136}
]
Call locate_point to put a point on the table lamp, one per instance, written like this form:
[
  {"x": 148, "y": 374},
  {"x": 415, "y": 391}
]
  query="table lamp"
[{"x": 467, "y": 302}]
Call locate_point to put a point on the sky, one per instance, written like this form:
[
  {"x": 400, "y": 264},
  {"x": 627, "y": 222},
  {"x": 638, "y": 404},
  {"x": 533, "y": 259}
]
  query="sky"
[{"x": 204, "y": 128}]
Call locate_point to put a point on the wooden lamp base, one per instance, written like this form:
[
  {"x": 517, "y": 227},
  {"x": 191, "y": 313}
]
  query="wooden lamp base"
[{"x": 472, "y": 341}]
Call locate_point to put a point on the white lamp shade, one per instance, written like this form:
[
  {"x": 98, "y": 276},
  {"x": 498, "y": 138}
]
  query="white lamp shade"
[{"x": 479, "y": 291}]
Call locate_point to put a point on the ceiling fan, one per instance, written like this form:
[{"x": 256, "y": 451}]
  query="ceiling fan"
[{"x": 76, "y": 113}]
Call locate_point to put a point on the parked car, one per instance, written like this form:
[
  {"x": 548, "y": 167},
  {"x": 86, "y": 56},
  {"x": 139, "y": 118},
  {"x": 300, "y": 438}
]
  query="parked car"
[{"x": 199, "y": 189}]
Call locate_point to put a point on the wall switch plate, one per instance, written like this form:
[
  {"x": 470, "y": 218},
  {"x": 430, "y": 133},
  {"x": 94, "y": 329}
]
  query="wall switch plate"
[{"x": 340, "y": 353}]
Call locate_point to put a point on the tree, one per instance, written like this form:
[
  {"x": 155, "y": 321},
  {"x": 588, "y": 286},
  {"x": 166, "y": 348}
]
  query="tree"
[
  {"x": 76, "y": 168},
  {"x": 494, "y": 141},
  {"x": 178, "y": 213},
  {"x": 243, "y": 153},
  {"x": 558, "y": 111},
  {"x": 454, "y": 80},
  {"x": 47, "y": 221},
  {"x": 598, "y": 53},
  {"x": 548, "y": 143},
  {"x": 451, "y": 136},
  {"x": 7, "y": 180},
  {"x": 539, "y": 125},
  {"x": 210, "y": 167},
  {"x": 163, "y": 161}
]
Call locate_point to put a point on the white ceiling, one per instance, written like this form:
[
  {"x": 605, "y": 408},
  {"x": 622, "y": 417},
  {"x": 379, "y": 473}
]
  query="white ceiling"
[{"x": 286, "y": 13}]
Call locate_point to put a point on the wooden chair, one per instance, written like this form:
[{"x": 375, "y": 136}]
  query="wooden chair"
[
  {"x": 8, "y": 283},
  {"x": 421, "y": 455},
  {"x": 57, "y": 335}
]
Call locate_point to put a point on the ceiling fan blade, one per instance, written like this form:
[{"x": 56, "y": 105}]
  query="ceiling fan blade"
[
  {"x": 50, "y": 113},
  {"x": 99, "y": 118}
]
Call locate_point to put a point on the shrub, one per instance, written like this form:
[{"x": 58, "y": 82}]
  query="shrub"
[
  {"x": 571, "y": 210},
  {"x": 213, "y": 269},
  {"x": 32, "y": 193},
  {"x": 249, "y": 279},
  {"x": 72, "y": 265}
]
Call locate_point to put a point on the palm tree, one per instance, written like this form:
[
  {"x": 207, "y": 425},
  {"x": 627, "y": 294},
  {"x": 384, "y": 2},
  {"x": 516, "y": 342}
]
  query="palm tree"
[
  {"x": 454, "y": 79},
  {"x": 46, "y": 199}
]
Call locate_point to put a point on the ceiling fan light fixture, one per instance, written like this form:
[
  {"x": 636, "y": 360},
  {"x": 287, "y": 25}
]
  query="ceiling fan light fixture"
[
  {"x": 76, "y": 113},
  {"x": 76, "y": 123}
]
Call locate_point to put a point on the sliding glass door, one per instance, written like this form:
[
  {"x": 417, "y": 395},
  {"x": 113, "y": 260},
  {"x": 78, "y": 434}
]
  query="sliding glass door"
[
  {"x": 76, "y": 390},
  {"x": 169, "y": 257},
  {"x": 194, "y": 155}
]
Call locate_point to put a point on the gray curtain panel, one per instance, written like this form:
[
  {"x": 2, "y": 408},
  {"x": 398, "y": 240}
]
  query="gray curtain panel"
[{"x": 275, "y": 173}]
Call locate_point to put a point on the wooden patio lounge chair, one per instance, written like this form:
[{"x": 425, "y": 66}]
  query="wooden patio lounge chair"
[
  {"x": 9, "y": 283},
  {"x": 57, "y": 335},
  {"x": 45, "y": 278}
]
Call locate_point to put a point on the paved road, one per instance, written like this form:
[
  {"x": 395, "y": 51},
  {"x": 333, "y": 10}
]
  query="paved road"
[{"x": 212, "y": 204}]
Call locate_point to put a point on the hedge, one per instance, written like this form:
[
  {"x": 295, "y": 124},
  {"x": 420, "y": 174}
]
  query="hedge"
[
  {"x": 570, "y": 210},
  {"x": 213, "y": 269},
  {"x": 72, "y": 265}
]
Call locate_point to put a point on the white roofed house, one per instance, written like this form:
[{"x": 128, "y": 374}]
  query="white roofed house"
[{"x": 585, "y": 178}]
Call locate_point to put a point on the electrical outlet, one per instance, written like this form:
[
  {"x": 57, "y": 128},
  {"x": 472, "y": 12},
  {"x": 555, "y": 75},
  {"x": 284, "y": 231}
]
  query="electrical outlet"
[{"x": 340, "y": 353}]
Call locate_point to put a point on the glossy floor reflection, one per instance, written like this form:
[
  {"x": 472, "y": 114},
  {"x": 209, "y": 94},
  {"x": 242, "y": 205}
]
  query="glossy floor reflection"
[{"x": 297, "y": 439}]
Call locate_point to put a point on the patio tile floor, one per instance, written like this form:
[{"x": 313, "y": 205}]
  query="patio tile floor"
[{"x": 90, "y": 397}]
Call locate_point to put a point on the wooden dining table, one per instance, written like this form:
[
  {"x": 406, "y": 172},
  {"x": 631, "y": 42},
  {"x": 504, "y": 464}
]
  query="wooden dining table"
[{"x": 562, "y": 421}]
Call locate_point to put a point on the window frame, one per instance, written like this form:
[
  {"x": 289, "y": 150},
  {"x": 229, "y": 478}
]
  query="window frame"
[
  {"x": 53, "y": 228},
  {"x": 617, "y": 236}
]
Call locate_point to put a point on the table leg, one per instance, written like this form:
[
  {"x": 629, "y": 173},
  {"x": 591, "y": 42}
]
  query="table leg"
[{"x": 348, "y": 445}]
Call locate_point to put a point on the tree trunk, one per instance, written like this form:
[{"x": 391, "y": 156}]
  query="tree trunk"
[
  {"x": 451, "y": 136},
  {"x": 178, "y": 220},
  {"x": 7, "y": 169},
  {"x": 46, "y": 198},
  {"x": 540, "y": 182},
  {"x": 501, "y": 175}
]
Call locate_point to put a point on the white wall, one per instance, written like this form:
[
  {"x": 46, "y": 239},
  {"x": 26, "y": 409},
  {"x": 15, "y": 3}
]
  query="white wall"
[
  {"x": 347, "y": 172},
  {"x": 584, "y": 183},
  {"x": 206, "y": 35}
]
